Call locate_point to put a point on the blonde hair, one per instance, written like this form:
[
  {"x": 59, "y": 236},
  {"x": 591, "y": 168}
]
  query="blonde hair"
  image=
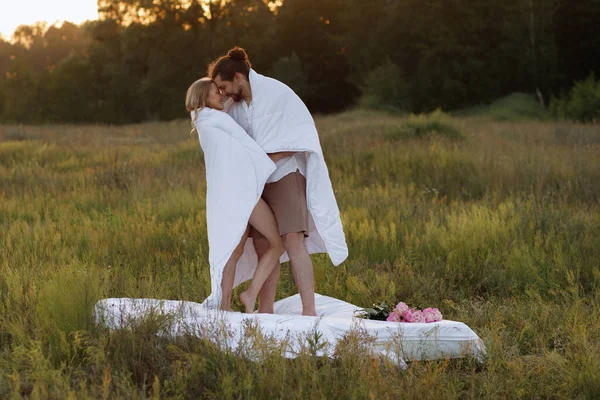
[{"x": 196, "y": 97}]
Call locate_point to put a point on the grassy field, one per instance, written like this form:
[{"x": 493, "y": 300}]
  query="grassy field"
[{"x": 496, "y": 223}]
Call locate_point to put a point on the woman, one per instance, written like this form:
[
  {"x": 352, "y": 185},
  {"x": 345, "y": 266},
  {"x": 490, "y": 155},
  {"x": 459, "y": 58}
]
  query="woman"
[{"x": 236, "y": 172}]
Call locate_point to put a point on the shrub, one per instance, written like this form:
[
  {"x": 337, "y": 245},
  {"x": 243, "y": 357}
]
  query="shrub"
[
  {"x": 424, "y": 125},
  {"x": 581, "y": 104},
  {"x": 514, "y": 107}
]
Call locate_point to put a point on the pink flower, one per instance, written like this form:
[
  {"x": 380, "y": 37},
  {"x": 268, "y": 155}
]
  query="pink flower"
[
  {"x": 394, "y": 317},
  {"x": 401, "y": 307},
  {"x": 412, "y": 315},
  {"x": 432, "y": 315}
]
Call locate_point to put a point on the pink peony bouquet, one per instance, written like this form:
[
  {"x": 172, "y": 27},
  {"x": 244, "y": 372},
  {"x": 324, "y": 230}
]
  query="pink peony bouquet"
[
  {"x": 402, "y": 313},
  {"x": 432, "y": 315}
]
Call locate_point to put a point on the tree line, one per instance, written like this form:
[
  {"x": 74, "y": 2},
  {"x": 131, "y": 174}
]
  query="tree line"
[{"x": 136, "y": 62}]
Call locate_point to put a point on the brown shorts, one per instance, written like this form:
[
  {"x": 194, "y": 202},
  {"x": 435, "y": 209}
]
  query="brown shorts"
[{"x": 287, "y": 199}]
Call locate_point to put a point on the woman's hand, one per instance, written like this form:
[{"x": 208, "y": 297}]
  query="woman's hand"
[{"x": 280, "y": 155}]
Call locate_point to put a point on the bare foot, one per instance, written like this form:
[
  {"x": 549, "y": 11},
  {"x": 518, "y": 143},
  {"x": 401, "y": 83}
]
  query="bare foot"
[{"x": 248, "y": 301}]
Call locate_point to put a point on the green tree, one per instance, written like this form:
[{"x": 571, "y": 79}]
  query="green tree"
[
  {"x": 386, "y": 85},
  {"x": 577, "y": 40},
  {"x": 307, "y": 28},
  {"x": 289, "y": 70},
  {"x": 19, "y": 89}
]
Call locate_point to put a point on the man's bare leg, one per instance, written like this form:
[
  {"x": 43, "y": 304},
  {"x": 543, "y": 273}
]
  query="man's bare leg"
[
  {"x": 267, "y": 292},
  {"x": 302, "y": 269}
]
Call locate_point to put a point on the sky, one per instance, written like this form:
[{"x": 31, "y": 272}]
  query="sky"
[{"x": 18, "y": 12}]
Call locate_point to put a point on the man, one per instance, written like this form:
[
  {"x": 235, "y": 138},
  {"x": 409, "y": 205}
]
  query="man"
[{"x": 275, "y": 117}]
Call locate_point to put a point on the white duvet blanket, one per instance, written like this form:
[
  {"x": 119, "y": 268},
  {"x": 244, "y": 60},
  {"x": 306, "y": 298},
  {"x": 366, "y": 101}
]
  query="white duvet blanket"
[
  {"x": 236, "y": 172},
  {"x": 399, "y": 342},
  {"x": 279, "y": 121}
]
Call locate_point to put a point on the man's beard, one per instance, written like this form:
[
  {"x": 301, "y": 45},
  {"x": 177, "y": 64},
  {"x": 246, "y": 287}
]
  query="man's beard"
[{"x": 237, "y": 97}]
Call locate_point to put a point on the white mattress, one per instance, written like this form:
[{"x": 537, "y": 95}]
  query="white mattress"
[{"x": 288, "y": 332}]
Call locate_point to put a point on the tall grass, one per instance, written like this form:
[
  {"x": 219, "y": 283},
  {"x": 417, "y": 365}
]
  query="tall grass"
[{"x": 498, "y": 226}]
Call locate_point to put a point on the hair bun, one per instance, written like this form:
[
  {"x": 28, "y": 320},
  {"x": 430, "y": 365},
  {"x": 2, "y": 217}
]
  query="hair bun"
[{"x": 237, "y": 53}]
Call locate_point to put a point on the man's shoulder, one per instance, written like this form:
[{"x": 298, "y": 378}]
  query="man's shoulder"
[{"x": 276, "y": 84}]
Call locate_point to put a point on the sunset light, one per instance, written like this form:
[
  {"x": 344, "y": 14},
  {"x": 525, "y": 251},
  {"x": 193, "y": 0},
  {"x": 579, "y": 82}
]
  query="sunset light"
[{"x": 32, "y": 11}]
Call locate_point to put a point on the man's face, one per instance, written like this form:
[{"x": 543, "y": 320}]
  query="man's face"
[{"x": 229, "y": 88}]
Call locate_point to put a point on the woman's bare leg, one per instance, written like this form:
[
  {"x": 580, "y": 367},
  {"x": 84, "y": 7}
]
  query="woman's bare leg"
[
  {"x": 229, "y": 273},
  {"x": 263, "y": 220}
]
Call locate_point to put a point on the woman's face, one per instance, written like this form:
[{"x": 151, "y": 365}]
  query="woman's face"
[{"x": 215, "y": 98}]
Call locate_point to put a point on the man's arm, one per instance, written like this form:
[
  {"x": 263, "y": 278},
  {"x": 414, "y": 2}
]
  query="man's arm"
[{"x": 280, "y": 155}]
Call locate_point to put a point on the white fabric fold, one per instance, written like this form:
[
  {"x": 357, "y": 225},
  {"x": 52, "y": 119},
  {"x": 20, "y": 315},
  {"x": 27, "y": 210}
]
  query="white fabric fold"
[
  {"x": 236, "y": 172},
  {"x": 279, "y": 121}
]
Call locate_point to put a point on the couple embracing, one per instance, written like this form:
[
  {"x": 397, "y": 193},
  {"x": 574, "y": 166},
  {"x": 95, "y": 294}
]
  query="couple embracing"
[{"x": 269, "y": 197}]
